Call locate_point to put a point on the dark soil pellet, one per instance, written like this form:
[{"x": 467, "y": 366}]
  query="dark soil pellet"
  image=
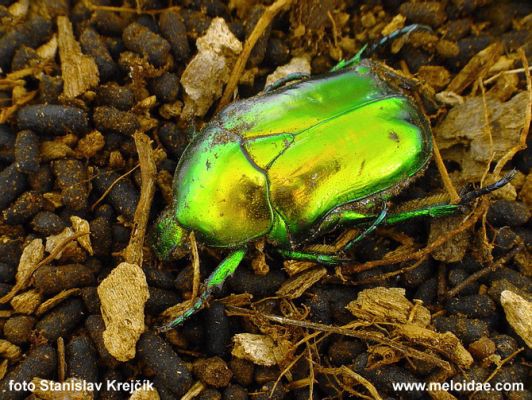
[
  {"x": 235, "y": 392},
  {"x": 53, "y": 119},
  {"x": 165, "y": 87},
  {"x": 114, "y": 95},
  {"x": 458, "y": 28},
  {"x": 511, "y": 213},
  {"x": 159, "y": 357},
  {"x": 26, "y": 206},
  {"x": 345, "y": 351},
  {"x": 109, "y": 119},
  {"x": 173, "y": 139},
  {"x": 196, "y": 22},
  {"x": 218, "y": 341},
  {"x": 101, "y": 236},
  {"x": 173, "y": 29},
  {"x": 95, "y": 326},
  {"x": 32, "y": 33},
  {"x": 473, "y": 306},
  {"x": 243, "y": 371},
  {"x": 91, "y": 299},
  {"x": 160, "y": 300},
  {"x": 23, "y": 57},
  {"x": 467, "y": 330},
  {"x": 277, "y": 52},
  {"x": 81, "y": 359},
  {"x": 109, "y": 23},
  {"x": 259, "y": 50},
  {"x": 7, "y": 144},
  {"x": 271, "y": 391},
  {"x": 53, "y": 279},
  {"x": 109, "y": 393},
  {"x": 40, "y": 362},
  {"x": 7, "y": 273},
  {"x": 47, "y": 223},
  {"x": 505, "y": 345},
  {"x": 41, "y": 181},
  {"x": 159, "y": 278},
  {"x": 50, "y": 88},
  {"x": 456, "y": 276},
  {"x": 71, "y": 177},
  {"x": 265, "y": 374},
  {"x": 93, "y": 45},
  {"x": 515, "y": 278},
  {"x": 320, "y": 311},
  {"x": 209, "y": 394},
  {"x": 10, "y": 251},
  {"x": 27, "y": 152},
  {"x": 212, "y": 371},
  {"x": 61, "y": 320},
  {"x": 13, "y": 182},
  {"x": 427, "y": 291},
  {"x": 245, "y": 280},
  {"x": 141, "y": 40},
  {"x": 430, "y": 13},
  {"x": 17, "y": 329},
  {"x": 124, "y": 196}
]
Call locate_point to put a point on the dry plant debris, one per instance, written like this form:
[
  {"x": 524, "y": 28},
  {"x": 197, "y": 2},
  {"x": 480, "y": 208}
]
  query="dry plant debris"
[{"x": 519, "y": 314}]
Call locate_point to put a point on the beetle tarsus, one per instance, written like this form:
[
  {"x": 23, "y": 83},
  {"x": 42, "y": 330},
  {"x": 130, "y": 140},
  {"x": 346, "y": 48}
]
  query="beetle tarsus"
[
  {"x": 470, "y": 196},
  {"x": 379, "y": 220},
  {"x": 296, "y": 76}
]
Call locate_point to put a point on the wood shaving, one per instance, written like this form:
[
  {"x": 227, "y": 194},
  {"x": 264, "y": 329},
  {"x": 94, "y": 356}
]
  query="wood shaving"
[
  {"x": 444, "y": 343},
  {"x": 9, "y": 350},
  {"x": 123, "y": 294},
  {"x": 206, "y": 74},
  {"x": 27, "y": 302},
  {"x": 297, "y": 285},
  {"x": 518, "y": 314},
  {"x": 388, "y": 304},
  {"x": 57, "y": 299},
  {"x": 260, "y": 349},
  {"x": 82, "y": 226},
  {"x": 32, "y": 254},
  {"x": 79, "y": 71}
]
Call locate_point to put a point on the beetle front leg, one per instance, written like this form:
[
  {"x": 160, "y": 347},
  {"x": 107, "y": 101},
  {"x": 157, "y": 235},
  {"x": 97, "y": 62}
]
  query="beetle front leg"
[{"x": 226, "y": 268}]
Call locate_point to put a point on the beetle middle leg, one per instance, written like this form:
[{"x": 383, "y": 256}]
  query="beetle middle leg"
[{"x": 224, "y": 270}]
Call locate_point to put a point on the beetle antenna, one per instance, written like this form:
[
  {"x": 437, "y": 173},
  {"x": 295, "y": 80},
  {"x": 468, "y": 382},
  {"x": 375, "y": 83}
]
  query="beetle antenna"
[{"x": 407, "y": 30}]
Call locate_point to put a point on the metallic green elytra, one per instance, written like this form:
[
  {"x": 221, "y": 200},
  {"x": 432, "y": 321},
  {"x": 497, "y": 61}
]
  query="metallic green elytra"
[
  {"x": 276, "y": 165},
  {"x": 294, "y": 163}
]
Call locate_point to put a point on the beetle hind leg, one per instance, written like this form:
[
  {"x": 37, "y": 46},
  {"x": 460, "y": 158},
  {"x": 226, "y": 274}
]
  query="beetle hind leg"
[{"x": 224, "y": 270}]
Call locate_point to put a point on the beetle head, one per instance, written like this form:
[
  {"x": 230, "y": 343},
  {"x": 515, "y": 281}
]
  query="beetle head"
[{"x": 169, "y": 239}]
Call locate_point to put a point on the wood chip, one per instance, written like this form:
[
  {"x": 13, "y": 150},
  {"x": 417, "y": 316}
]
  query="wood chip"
[
  {"x": 32, "y": 254},
  {"x": 147, "y": 394},
  {"x": 388, "y": 304},
  {"x": 123, "y": 295},
  {"x": 476, "y": 68},
  {"x": 446, "y": 343},
  {"x": 518, "y": 314},
  {"x": 27, "y": 302},
  {"x": 53, "y": 301},
  {"x": 260, "y": 349},
  {"x": 9, "y": 350},
  {"x": 71, "y": 389},
  {"x": 82, "y": 226},
  {"x": 297, "y": 285},
  {"x": 79, "y": 72},
  {"x": 454, "y": 249}
]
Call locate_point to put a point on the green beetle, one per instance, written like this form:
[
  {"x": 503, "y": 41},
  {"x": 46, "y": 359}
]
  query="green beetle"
[{"x": 294, "y": 163}]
